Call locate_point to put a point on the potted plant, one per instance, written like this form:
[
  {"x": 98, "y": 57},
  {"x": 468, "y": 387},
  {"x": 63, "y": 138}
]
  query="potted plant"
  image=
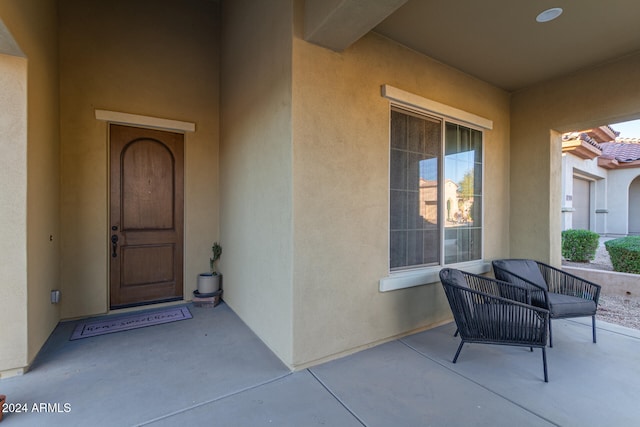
[{"x": 209, "y": 283}]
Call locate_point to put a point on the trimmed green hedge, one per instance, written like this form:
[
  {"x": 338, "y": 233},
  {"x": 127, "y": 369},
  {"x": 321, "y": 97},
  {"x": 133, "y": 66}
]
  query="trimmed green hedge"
[
  {"x": 625, "y": 254},
  {"x": 579, "y": 245}
]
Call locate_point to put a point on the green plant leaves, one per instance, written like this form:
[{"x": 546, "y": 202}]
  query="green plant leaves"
[
  {"x": 625, "y": 254},
  {"x": 579, "y": 245}
]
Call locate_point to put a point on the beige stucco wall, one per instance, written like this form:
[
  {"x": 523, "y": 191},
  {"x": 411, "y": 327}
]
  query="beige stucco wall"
[
  {"x": 256, "y": 168},
  {"x": 304, "y": 183},
  {"x": 609, "y": 93},
  {"x": 156, "y": 58},
  {"x": 43, "y": 166},
  {"x": 31, "y": 165},
  {"x": 13, "y": 211},
  {"x": 341, "y": 181}
]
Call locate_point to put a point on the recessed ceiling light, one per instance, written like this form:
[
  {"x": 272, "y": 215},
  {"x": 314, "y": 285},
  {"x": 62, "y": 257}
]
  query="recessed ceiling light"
[{"x": 549, "y": 14}]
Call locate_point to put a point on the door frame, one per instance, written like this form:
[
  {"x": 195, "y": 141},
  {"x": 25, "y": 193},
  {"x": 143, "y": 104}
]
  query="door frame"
[{"x": 146, "y": 122}]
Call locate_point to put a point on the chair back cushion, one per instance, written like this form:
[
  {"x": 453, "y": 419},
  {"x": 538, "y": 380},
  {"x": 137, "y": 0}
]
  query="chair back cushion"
[
  {"x": 525, "y": 268},
  {"x": 453, "y": 276}
]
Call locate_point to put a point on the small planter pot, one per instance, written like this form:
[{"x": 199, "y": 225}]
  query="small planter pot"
[{"x": 209, "y": 283}]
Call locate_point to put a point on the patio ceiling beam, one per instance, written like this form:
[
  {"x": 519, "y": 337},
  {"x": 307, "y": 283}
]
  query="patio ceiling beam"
[{"x": 337, "y": 24}]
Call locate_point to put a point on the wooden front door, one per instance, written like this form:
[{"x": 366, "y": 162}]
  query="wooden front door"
[{"x": 146, "y": 216}]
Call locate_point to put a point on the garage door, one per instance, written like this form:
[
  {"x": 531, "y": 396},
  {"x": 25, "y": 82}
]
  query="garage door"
[{"x": 581, "y": 203}]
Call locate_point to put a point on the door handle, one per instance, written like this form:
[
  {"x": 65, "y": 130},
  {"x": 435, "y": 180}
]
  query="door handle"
[{"x": 114, "y": 245}]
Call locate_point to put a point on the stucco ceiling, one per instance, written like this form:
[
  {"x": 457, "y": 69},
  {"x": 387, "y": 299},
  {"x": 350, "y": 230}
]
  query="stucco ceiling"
[{"x": 500, "y": 42}]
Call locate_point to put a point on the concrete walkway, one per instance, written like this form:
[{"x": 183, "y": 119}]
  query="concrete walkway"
[{"x": 212, "y": 370}]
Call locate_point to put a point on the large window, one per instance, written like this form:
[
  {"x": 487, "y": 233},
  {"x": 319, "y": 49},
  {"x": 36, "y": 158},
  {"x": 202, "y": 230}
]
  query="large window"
[{"x": 435, "y": 191}]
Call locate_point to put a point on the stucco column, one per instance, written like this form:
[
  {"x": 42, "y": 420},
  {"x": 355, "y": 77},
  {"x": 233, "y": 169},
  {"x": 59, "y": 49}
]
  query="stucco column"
[{"x": 13, "y": 212}]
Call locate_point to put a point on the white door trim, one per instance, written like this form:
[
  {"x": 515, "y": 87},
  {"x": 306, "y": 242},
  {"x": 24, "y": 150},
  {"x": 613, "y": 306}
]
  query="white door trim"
[{"x": 144, "y": 121}]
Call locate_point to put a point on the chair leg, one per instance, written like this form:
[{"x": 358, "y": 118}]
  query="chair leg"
[
  {"x": 550, "y": 335},
  {"x": 593, "y": 326},
  {"x": 456, "y": 334},
  {"x": 458, "y": 352},
  {"x": 544, "y": 364}
]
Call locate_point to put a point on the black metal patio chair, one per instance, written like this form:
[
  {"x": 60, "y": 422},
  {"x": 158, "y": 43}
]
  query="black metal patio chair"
[
  {"x": 563, "y": 294},
  {"x": 488, "y": 311}
]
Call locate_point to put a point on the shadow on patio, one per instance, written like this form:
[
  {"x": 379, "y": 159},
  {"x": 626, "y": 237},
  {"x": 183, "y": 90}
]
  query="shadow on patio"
[{"x": 212, "y": 370}]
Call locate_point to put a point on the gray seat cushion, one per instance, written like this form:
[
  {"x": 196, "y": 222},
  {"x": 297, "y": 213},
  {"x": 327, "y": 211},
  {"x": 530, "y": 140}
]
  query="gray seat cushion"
[
  {"x": 568, "y": 306},
  {"x": 525, "y": 268}
]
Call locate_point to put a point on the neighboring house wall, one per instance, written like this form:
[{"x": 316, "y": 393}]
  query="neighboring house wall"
[
  {"x": 634, "y": 207},
  {"x": 29, "y": 165},
  {"x": 588, "y": 171},
  {"x": 539, "y": 115},
  {"x": 619, "y": 188},
  {"x": 614, "y": 194},
  {"x": 157, "y": 58}
]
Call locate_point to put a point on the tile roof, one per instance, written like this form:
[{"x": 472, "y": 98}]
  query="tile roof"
[
  {"x": 615, "y": 152},
  {"x": 628, "y": 140},
  {"x": 583, "y": 136},
  {"x": 623, "y": 150}
]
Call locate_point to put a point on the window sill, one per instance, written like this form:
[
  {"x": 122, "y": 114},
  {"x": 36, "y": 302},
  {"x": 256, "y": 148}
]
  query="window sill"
[{"x": 425, "y": 276}]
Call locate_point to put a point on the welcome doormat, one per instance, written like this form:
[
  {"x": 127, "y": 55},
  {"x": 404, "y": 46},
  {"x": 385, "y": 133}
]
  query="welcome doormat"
[{"x": 131, "y": 321}]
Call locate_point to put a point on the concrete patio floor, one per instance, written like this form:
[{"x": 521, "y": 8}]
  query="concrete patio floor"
[{"x": 212, "y": 370}]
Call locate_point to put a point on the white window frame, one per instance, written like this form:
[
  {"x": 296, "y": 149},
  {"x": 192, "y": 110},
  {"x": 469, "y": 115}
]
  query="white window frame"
[{"x": 412, "y": 102}]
